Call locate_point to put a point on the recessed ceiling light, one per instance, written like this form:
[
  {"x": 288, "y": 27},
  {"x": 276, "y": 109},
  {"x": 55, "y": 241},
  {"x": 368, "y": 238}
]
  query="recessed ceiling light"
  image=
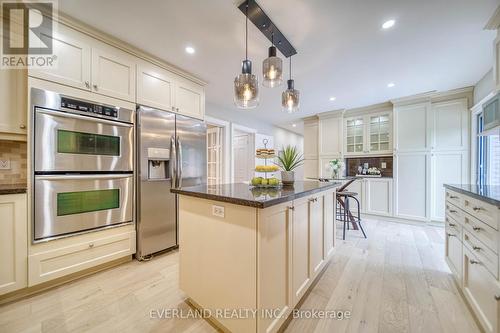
[
  {"x": 333, "y": 98},
  {"x": 294, "y": 125},
  {"x": 390, "y": 85},
  {"x": 388, "y": 24},
  {"x": 190, "y": 49}
]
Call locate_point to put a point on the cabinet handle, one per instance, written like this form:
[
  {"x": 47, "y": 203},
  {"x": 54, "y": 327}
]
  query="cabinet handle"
[
  {"x": 476, "y": 209},
  {"x": 476, "y": 248},
  {"x": 91, "y": 245},
  {"x": 87, "y": 84},
  {"x": 497, "y": 297},
  {"x": 291, "y": 207},
  {"x": 313, "y": 199},
  {"x": 476, "y": 228},
  {"x": 452, "y": 224},
  {"x": 95, "y": 86},
  {"x": 474, "y": 262},
  {"x": 452, "y": 211},
  {"x": 451, "y": 235},
  {"x": 22, "y": 126}
]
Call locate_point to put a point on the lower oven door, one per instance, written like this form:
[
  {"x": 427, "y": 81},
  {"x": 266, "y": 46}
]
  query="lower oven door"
[{"x": 65, "y": 204}]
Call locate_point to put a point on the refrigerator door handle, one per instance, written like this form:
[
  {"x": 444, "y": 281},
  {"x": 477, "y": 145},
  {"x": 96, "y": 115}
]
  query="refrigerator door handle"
[
  {"x": 179, "y": 161},
  {"x": 173, "y": 161}
]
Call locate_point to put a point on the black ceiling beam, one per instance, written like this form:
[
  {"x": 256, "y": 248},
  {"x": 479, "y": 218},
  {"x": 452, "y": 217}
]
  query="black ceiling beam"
[{"x": 267, "y": 27}]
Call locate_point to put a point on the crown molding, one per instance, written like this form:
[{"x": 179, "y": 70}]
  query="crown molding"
[{"x": 494, "y": 21}]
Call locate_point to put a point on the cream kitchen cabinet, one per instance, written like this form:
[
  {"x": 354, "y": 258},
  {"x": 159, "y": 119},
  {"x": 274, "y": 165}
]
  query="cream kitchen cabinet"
[
  {"x": 13, "y": 242},
  {"x": 368, "y": 134},
  {"x": 496, "y": 61},
  {"x": 378, "y": 196},
  {"x": 412, "y": 185},
  {"x": 450, "y": 125},
  {"x": 311, "y": 132},
  {"x": 301, "y": 273},
  {"x": 359, "y": 187},
  {"x": 412, "y": 127},
  {"x": 316, "y": 235},
  {"x": 113, "y": 72},
  {"x": 13, "y": 99},
  {"x": 311, "y": 168},
  {"x": 86, "y": 63},
  {"x": 72, "y": 51},
  {"x": 158, "y": 88},
  {"x": 330, "y": 130}
]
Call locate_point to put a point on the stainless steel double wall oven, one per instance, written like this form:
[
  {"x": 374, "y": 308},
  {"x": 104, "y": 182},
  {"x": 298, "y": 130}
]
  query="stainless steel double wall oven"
[{"x": 83, "y": 159}]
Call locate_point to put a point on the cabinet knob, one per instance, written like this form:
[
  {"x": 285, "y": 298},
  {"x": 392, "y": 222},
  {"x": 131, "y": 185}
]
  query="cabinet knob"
[
  {"x": 476, "y": 248},
  {"x": 474, "y": 262},
  {"x": 91, "y": 245},
  {"x": 476, "y": 228},
  {"x": 291, "y": 207},
  {"x": 476, "y": 209},
  {"x": 87, "y": 84},
  {"x": 95, "y": 86},
  {"x": 177, "y": 109},
  {"x": 22, "y": 126}
]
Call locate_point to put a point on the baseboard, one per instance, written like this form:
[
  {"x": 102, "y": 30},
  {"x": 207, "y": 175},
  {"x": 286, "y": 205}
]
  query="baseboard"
[
  {"x": 29, "y": 291},
  {"x": 402, "y": 220}
]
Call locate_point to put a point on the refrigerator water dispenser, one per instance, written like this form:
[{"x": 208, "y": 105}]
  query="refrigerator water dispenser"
[{"x": 158, "y": 163}]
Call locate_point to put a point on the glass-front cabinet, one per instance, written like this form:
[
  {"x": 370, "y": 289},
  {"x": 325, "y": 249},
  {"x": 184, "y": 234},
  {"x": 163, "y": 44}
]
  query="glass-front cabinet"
[{"x": 368, "y": 134}]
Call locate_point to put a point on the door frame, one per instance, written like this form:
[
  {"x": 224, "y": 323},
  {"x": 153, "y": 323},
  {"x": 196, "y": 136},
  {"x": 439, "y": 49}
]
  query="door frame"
[
  {"x": 227, "y": 146},
  {"x": 241, "y": 128}
]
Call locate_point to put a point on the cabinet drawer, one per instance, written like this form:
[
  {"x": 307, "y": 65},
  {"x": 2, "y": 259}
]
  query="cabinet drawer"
[
  {"x": 481, "y": 290},
  {"x": 481, "y": 231},
  {"x": 55, "y": 263},
  {"x": 454, "y": 198},
  {"x": 453, "y": 211},
  {"x": 484, "y": 255},
  {"x": 483, "y": 211}
]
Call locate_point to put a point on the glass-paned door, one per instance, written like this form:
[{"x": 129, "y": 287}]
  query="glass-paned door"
[
  {"x": 354, "y": 135},
  {"x": 214, "y": 155},
  {"x": 379, "y": 133}
]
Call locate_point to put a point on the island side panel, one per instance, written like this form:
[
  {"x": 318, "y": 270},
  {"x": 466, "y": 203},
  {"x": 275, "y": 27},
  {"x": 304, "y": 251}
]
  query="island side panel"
[{"x": 218, "y": 258}]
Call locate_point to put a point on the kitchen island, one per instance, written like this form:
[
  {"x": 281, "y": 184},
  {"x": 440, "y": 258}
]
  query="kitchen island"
[{"x": 248, "y": 255}]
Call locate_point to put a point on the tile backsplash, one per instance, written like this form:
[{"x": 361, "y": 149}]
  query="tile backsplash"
[
  {"x": 16, "y": 153},
  {"x": 353, "y": 163}
]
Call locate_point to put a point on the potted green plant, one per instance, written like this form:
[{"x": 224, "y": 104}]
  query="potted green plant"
[{"x": 288, "y": 160}]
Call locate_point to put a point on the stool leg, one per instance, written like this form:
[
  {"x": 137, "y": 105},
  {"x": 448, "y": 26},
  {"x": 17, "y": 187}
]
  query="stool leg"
[
  {"x": 347, "y": 210},
  {"x": 359, "y": 222},
  {"x": 345, "y": 220}
]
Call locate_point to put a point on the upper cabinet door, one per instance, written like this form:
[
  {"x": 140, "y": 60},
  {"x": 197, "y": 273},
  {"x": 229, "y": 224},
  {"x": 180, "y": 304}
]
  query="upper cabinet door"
[
  {"x": 412, "y": 127},
  {"x": 311, "y": 140},
  {"x": 330, "y": 136},
  {"x": 379, "y": 135},
  {"x": 450, "y": 125},
  {"x": 72, "y": 59},
  {"x": 13, "y": 100},
  {"x": 355, "y": 136},
  {"x": 155, "y": 87},
  {"x": 189, "y": 99},
  {"x": 113, "y": 73},
  {"x": 496, "y": 62}
]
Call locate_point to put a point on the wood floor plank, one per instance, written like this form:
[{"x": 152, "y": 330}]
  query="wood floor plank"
[{"x": 394, "y": 281}]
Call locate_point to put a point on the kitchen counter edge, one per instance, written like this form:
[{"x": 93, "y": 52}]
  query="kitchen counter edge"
[{"x": 485, "y": 198}]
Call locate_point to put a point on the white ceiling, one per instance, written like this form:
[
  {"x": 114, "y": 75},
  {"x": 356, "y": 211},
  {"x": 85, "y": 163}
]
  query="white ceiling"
[{"x": 342, "y": 50}]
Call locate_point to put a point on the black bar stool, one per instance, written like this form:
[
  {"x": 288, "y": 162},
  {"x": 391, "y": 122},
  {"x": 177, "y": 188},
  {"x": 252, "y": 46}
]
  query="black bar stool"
[{"x": 344, "y": 213}]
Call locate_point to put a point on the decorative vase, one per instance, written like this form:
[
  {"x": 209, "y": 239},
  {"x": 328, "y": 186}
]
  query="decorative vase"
[
  {"x": 335, "y": 173},
  {"x": 287, "y": 177}
]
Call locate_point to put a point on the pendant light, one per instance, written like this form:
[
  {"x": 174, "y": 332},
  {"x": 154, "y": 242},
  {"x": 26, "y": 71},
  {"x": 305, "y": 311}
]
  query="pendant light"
[
  {"x": 290, "y": 97},
  {"x": 246, "y": 85},
  {"x": 272, "y": 68}
]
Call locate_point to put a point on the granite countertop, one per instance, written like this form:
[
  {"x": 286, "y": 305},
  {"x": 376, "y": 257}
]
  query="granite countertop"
[
  {"x": 12, "y": 188},
  {"x": 245, "y": 195},
  {"x": 486, "y": 193}
]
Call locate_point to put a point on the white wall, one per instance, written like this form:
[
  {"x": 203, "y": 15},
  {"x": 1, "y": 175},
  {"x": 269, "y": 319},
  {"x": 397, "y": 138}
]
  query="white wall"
[
  {"x": 483, "y": 87},
  {"x": 240, "y": 117},
  {"x": 282, "y": 138}
]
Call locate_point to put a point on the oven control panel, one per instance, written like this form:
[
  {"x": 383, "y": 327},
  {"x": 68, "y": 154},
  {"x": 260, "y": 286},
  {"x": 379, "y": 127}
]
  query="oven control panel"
[{"x": 82, "y": 106}]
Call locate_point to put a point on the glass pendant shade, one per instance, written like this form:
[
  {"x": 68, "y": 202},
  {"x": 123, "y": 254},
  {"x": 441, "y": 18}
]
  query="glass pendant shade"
[
  {"x": 272, "y": 69},
  {"x": 290, "y": 98},
  {"x": 246, "y": 87}
]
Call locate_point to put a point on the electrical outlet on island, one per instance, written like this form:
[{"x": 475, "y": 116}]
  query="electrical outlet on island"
[{"x": 5, "y": 164}]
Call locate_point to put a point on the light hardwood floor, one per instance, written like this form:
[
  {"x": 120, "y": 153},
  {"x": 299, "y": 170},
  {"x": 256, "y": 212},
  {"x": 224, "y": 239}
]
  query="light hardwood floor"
[{"x": 395, "y": 281}]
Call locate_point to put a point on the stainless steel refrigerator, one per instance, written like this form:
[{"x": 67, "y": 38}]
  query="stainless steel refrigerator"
[{"x": 171, "y": 152}]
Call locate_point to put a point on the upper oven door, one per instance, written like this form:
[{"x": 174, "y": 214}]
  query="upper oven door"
[{"x": 71, "y": 142}]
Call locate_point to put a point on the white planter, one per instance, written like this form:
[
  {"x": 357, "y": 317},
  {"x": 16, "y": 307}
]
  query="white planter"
[{"x": 288, "y": 177}]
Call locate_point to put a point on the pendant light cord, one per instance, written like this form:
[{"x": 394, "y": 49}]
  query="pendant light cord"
[
  {"x": 246, "y": 33},
  {"x": 290, "y": 67}
]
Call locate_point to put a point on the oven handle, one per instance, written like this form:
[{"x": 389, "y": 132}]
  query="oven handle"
[
  {"x": 76, "y": 116},
  {"x": 69, "y": 177}
]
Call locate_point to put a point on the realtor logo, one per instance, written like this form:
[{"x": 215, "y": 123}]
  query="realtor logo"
[{"x": 27, "y": 30}]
